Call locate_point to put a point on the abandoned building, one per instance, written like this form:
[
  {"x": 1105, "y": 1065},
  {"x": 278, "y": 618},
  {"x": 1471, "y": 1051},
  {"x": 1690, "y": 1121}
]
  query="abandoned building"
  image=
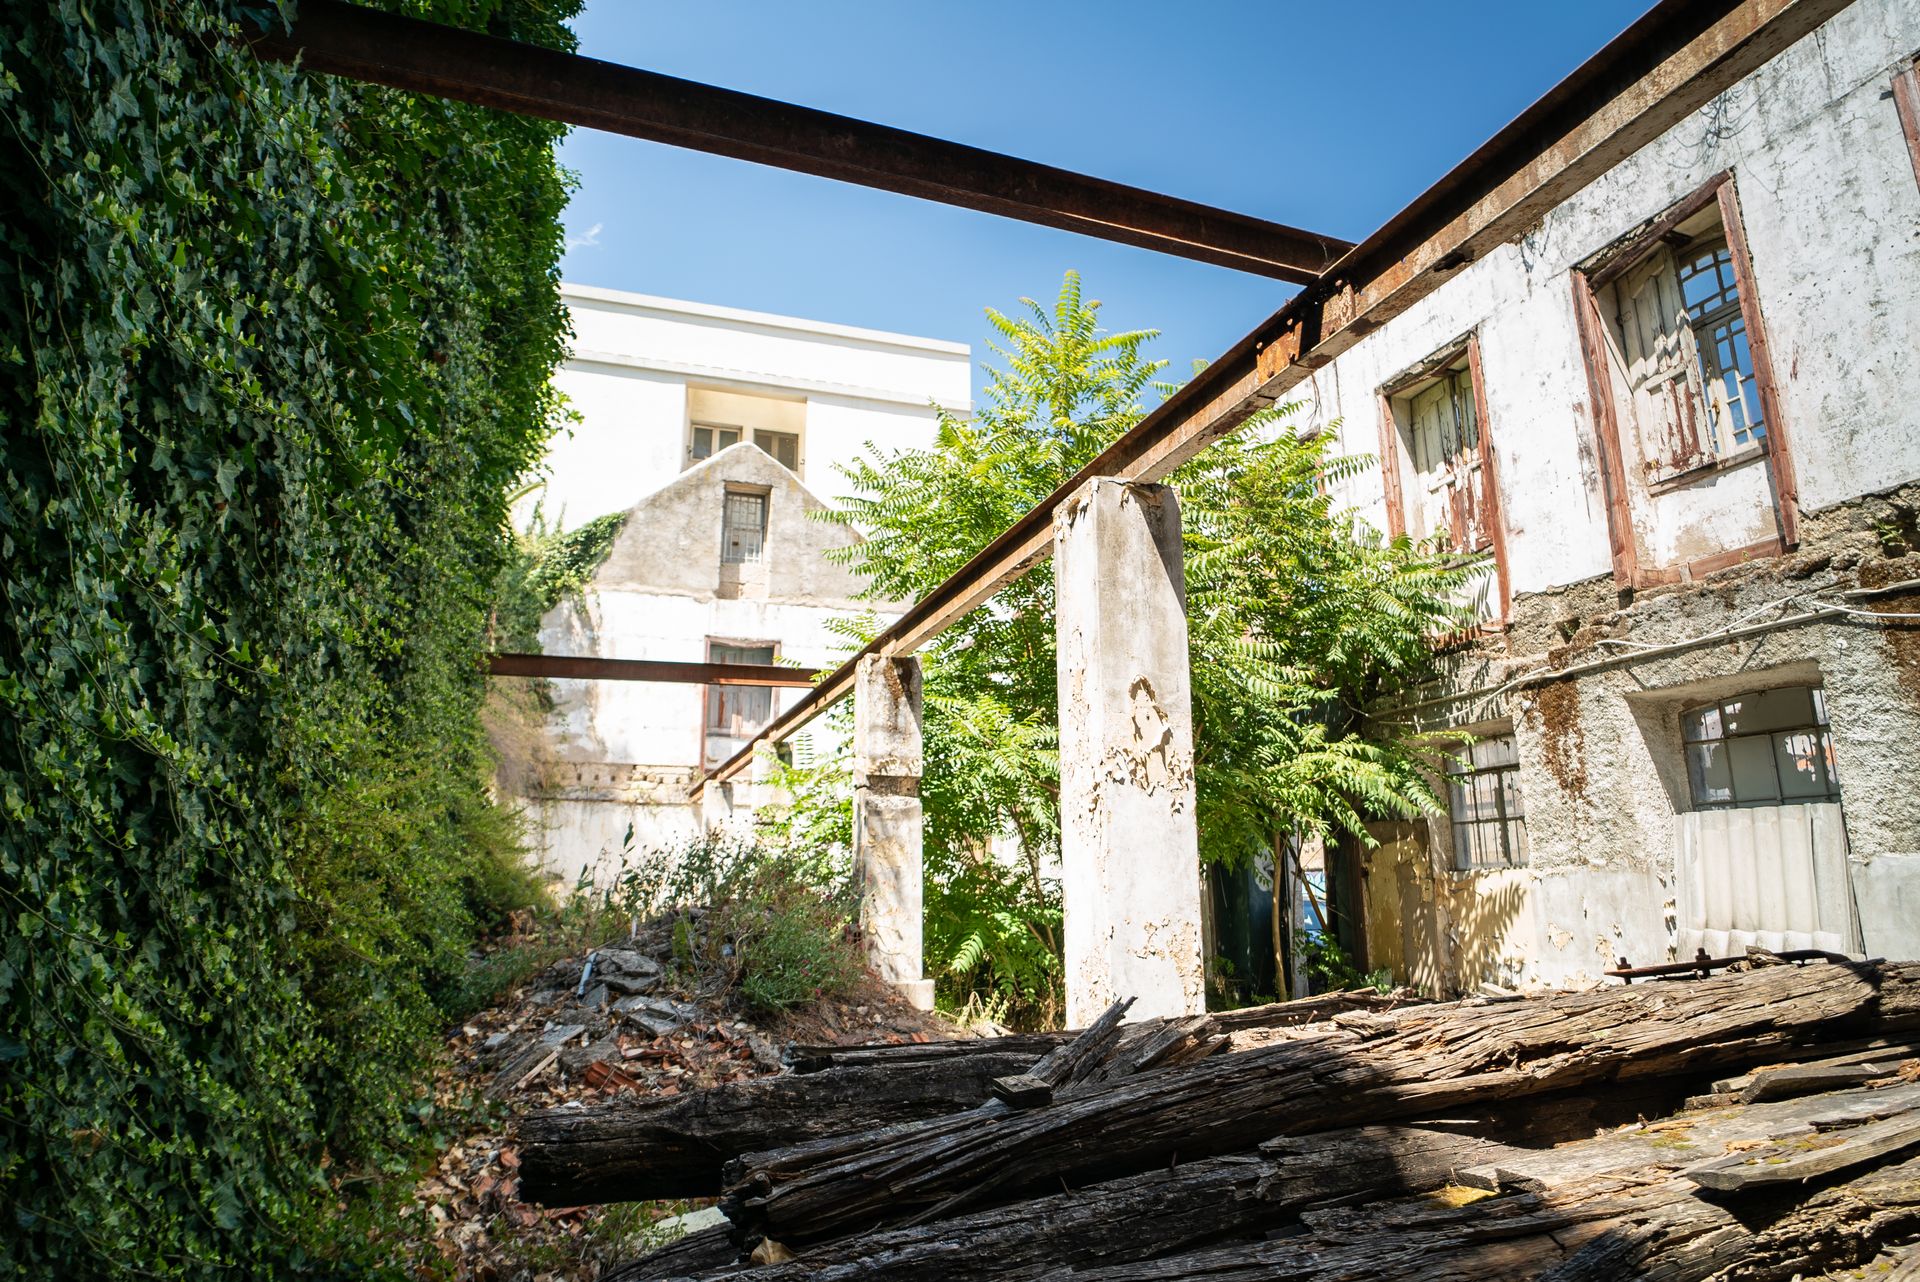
[
  {"x": 1677, "y": 416},
  {"x": 717, "y": 432}
]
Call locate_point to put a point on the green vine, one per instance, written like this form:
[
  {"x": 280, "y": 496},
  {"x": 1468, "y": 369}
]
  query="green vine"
[{"x": 273, "y": 349}]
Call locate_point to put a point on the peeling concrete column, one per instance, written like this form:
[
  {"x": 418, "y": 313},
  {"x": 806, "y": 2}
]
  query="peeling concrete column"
[
  {"x": 887, "y": 820},
  {"x": 1129, "y": 844}
]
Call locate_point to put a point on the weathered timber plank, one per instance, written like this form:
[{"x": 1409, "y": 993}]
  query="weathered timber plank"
[
  {"x": 631, "y": 1150},
  {"x": 1138, "y": 1217},
  {"x": 1415, "y": 1062},
  {"x": 1601, "y": 1230},
  {"x": 1795, "y": 1159},
  {"x": 1687, "y": 1140}
]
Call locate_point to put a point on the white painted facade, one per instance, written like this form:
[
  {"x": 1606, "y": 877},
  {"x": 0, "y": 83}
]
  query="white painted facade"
[
  {"x": 1824, "y": 180},
  {"x": 644, "y": 370},
  {"x": 645, "y": 374}
]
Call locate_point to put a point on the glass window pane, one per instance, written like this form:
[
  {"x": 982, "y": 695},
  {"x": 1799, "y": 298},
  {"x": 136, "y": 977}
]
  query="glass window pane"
[
  {"x": 1784, "y": 709},
  {"x": 1497, "y": 750},
  {"x": 702, "y": 442},
  {"x": 1827, "y": 761},
  {"x": 728, "y": 436},
  {"x": 1708, "y": 775},
  {"x": 1819, "y": 705},
  {"x": 1701, "y": 723},
  {"x": 1751, "y": 761},
  {"x": 1800, "y": 756}
]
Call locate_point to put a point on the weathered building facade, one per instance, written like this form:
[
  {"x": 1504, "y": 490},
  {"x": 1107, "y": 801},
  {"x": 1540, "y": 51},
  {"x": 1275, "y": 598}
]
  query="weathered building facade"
[
  {"x": 1679, "y": 418},
  {"x": 717, "y": 433}
]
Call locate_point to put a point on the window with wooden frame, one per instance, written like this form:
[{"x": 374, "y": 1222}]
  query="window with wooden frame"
[
  {"x": 1685, "y": 352},
  {"x": 1682, "y": 388},
  {"x": 1483, "y": 802},
  {"x": 735, "y": 713},
  {"x": 743, "y": 526},
  {"x": 1906, "y": 101},
  {"x": 1438, "y": 462}
]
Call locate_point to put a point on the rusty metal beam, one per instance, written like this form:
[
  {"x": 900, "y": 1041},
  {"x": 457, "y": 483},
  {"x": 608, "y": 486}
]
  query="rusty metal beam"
[
  {"x": 1672, "y": 62},
  {"x": 585, "y": 668},
  {"x": 425, "y": 57}
]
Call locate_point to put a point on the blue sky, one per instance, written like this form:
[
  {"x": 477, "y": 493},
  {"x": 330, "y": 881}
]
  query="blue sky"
[{"x": 1326, "y": 116}]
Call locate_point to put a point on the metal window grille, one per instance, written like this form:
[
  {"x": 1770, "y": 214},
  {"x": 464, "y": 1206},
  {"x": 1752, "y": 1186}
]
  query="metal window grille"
[
  {"x": 1483, "y": 800},
  {"x": 1772, "y": 748},
  {"x": 743, "y": 528},
  {"x": 1711, "y": 295}
]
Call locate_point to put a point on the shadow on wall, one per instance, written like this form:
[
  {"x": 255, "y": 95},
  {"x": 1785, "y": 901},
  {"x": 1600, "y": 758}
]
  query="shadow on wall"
[{"x": 1438, "y": 930}]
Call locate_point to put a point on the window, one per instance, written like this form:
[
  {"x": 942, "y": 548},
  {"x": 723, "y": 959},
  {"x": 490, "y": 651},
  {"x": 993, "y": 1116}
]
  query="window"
[
  {"x": 709, "y": 439},
  {"x": 1906, "y": 101},
  {"x": 743, "y": 528},
  {"x": 1772, "y": 748},
  {"x": 784, "y": 446},
  {"x": 1437, "y": 465},
  {"x": 737, "y": 712},
  {"x": 1688, "y": 364},
  {"x": 1483, "y": 799}
]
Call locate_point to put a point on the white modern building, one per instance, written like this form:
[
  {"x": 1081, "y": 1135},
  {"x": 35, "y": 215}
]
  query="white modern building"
[{"x": 719, "y": 433}]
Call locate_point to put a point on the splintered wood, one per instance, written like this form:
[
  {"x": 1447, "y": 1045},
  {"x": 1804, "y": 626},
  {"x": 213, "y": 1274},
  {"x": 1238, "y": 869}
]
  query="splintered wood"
[{"x": 1433, "y": 1141}]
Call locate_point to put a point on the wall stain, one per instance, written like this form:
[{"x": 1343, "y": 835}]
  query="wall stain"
[{"x": 1562, "y": 736}]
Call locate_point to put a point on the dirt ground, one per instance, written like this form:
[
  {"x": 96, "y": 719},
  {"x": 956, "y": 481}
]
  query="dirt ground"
[{"x": 635, "y": 1026}]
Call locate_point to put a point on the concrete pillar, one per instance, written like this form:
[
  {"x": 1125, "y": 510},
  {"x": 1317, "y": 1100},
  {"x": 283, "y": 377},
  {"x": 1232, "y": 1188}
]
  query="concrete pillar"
[
  {"x": 887, "y": 820},
  {"x": 716, "y": 806},
  {"x": 1129, "y": 844}
]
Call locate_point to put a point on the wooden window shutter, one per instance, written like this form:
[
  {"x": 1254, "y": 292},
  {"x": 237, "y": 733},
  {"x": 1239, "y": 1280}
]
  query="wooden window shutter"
[{"x": 1663, "y": 370}]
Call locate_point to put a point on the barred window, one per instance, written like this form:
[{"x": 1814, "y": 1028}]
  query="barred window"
[
  {"x": 1483, "y": 798},
  {"x": 743, "y": 528}
]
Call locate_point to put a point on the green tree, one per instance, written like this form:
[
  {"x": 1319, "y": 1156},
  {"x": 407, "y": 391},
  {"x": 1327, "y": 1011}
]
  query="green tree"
[{"x": 1299, "y": 616}]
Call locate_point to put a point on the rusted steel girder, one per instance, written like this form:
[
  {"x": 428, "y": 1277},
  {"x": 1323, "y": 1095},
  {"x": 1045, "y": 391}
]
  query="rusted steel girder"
[
  {"x": 426, "y": 57},
  {"x": 1672, "y": 62},
  {"x": 585, "y": 668}
]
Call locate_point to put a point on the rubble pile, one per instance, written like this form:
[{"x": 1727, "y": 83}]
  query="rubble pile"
[
  {"x": 1758, "y": 1124},
  {"x": 614, "y": 1024}
]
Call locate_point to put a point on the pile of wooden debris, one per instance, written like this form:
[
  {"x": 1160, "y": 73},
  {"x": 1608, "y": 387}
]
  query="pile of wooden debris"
[
  {"x": 1504, "y": 1138},
  {"x": 616, "y": 1023}
]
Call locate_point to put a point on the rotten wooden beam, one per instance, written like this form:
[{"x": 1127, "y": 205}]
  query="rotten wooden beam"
[
  {"x": 1411, "y": 1064},
  {"x": 1671, "y": 63}
]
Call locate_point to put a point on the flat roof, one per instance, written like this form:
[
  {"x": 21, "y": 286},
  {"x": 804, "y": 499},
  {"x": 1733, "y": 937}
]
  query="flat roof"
[{"x": 770, "y": 320}]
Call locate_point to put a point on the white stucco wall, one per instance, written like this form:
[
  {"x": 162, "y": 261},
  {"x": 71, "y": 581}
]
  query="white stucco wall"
[
  {"x": 1826, "y": 188},
  {"x": 635, "y": 359},
  {"x": 1832, "y": 216}
]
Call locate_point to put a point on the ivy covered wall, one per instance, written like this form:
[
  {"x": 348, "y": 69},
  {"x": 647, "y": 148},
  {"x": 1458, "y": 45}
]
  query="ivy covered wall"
[{"x": 273, "y": 349}]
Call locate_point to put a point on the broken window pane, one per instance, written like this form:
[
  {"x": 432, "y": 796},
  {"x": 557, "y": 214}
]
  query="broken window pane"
[{"x": 1763, "y": 749}]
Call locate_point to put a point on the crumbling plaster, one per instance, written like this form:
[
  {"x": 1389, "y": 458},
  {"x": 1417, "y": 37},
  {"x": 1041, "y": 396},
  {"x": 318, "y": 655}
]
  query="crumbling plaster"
[
  {"x": 1832, "y": 218},
  {"x": 660, "y": 593}
]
